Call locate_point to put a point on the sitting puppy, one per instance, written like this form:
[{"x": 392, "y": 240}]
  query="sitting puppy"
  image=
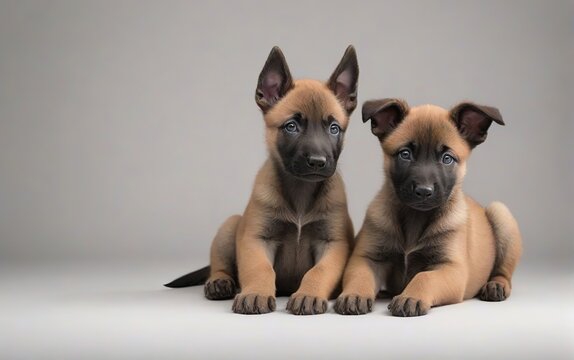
[
  {"x": 295, "y": 235},
  {"x": 422, "y": 238}
]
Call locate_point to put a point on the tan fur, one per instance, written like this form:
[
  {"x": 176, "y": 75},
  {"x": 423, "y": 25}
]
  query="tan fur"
[{"x": 482, "y": 245}]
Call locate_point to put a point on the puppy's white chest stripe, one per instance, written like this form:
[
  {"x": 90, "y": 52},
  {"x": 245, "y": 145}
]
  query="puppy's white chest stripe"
[
  {"x": 299, "y": 226},
  {"x": 406, "y": 263},
  {"x": 409, "y": 250}
]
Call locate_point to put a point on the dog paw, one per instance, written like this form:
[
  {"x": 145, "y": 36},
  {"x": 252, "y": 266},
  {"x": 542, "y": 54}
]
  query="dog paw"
[
  {"x": 406, "y": 306},
  {"x": 220, "y": 289},
  {"x": 352, "y": 304},
  {"x": 253, "y": 304},
  {"x": 301, "y": 304},
  {"x": 493, "y": 291}
]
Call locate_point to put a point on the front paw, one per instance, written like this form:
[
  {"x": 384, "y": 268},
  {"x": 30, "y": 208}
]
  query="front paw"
[
  {"x": 407, "y": 306},
  {"x": 253, "y": 304},
  {"x": 301, "y": 304},
  {"x": 352, "y": 304},
  {"x": 493, "y": 291}
]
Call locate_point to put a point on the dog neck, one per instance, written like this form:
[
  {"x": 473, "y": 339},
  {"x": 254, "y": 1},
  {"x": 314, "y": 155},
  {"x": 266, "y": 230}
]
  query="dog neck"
[{"x": 300, "y": 195}]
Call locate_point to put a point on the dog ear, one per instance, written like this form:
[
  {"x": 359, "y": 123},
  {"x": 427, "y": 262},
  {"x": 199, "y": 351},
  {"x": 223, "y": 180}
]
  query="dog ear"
[
  {"x": 473, "y": 121},
  {"x": 343, "y": 81},
  {"x": 385, "y": 115},
  {"x": 274, "y": 81}
]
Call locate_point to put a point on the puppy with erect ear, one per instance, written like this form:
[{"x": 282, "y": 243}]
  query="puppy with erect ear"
[
  {"x": 294, "y": 237},
  {"x": 423, "y": 240}
]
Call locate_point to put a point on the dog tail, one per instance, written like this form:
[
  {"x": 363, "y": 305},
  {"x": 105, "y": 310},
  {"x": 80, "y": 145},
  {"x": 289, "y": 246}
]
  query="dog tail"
[{"x": 197, "y": 277}]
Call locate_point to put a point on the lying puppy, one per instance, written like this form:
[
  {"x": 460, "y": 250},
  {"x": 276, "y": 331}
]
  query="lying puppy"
[
  {"x": 422, "y": 238},
  {"x": 295, "y": 234}
]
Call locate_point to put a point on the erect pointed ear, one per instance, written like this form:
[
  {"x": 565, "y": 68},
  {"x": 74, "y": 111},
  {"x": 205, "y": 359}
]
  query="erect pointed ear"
[
  {"x": 274, "y": 81},
  {"x": 343, "y": 81},
  {"x": 385, "y": 115},
  {"x": 473, "y": 121}
]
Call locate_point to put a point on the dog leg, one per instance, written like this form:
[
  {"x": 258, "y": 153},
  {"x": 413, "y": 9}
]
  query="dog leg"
[
  {"x": 360, "y": 287},
  {"x": 442, "y": 286},
  {"x": 320, "y": 281},
  {"x": 256, "y": 275},
  {"x": 221, "y": 283},
  {"x": 508, "y": 252}
]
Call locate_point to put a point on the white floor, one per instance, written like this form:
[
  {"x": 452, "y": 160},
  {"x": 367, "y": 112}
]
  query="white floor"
[{"x": 86, "y": 312}]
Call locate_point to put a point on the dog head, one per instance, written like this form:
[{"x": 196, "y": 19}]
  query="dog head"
[
  {"x": 306, "y": 119},
  {"x": 426, "y": 147}
]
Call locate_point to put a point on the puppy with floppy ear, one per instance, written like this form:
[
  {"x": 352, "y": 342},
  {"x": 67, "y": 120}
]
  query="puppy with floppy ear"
[
  {"x": 423, "y": 239},
  {"x": 295, "y": 234}
]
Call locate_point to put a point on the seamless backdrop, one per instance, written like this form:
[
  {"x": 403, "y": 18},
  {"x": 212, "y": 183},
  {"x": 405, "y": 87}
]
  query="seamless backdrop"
[
  {"x": 129, "y": 129},
  {"x": 129, "y": 132}
]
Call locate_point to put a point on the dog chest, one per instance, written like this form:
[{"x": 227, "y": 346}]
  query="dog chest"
[
  {"x": 403, "y": 265},
  {"x": 296, "y": 250}
]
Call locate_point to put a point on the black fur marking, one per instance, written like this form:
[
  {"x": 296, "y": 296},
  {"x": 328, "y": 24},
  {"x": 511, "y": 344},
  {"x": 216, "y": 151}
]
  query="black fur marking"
[
  {"x": 404, "y": 265},
  {"x": 294, "y": 257},
  {"x": 301, "y": 195},
  {"x": 275, "y": 230},
  {"x": 312, "y": 138},
  {"x": 423, "y": 168},
  {"x": 318, "y": 230},
  {"x": 295, "y": 250},
  {"x": 385, "y": 256},
  {"x": 425, "y": 259}
]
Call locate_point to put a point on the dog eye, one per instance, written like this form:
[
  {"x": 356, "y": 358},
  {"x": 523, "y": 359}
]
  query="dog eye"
[
  {"x": 291, "y": 127},
  {"x": 334, "y": 129},
  {"x": 447, "y": 159},
  {"x": 405, "y": 154}
]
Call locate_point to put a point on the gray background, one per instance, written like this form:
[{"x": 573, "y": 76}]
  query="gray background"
[{"x": 128, "y": 130}]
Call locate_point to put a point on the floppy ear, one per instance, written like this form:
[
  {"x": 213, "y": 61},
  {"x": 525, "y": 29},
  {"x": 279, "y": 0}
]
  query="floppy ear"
[
  {"x": 385, "y": 115},
  {"x": 343, "y": 81},
  {"x": 473, "y": 121},
  {"x": 274, "y": 81}
]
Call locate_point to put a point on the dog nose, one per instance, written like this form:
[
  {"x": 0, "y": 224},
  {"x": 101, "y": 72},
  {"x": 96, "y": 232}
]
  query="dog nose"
[
  {"x": 424, "y": 191},
  {"x": 316, "y": 161}
]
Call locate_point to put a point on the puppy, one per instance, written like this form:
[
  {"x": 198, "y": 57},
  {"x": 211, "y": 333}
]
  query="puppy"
[
  {"x": 295, "y": 234},
  {"x": 423, "y": 239}
]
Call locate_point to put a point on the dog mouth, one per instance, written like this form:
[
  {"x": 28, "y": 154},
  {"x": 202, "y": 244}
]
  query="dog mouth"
[
  {"x": 304, "y": 173},
  {"x": 311, "y": 177},
  {"x": 424, "y": 205}
]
